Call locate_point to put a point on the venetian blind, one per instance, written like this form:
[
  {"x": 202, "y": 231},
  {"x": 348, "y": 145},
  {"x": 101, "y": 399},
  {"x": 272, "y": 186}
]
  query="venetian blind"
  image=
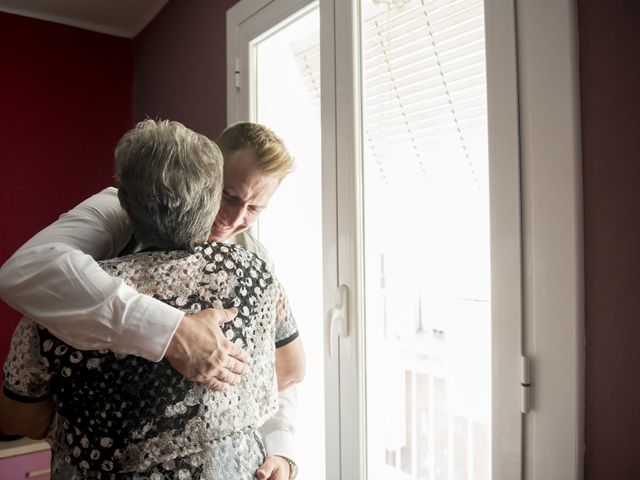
[{"x": 424, "y": 93}]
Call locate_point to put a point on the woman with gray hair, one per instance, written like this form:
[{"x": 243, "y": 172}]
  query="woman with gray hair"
[{"x": 127, "y": 417}]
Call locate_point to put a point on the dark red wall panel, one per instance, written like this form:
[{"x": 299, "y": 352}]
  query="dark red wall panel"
[
  {"x": 180, "y": 66},
  {"x": 65, "y": 100},
  {"x": 610, "y": 104}
]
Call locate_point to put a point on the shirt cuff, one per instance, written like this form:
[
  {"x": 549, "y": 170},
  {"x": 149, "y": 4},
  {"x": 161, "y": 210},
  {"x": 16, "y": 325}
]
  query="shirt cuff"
[
  {"x": 149, "y": 328},
  {"x": 280, "y": 442},
  {"x": 278, "y": 433}
]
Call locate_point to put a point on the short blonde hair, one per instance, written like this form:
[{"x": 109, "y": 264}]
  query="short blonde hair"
[
  {"x": 169, "y": 183},
  {"x": 272, "y": 156}
]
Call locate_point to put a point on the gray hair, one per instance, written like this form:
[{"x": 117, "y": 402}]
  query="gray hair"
[{"x": 169, "y": 183}]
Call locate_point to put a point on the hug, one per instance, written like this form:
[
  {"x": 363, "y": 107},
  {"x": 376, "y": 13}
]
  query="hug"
[{"x": 109, "y": 412}]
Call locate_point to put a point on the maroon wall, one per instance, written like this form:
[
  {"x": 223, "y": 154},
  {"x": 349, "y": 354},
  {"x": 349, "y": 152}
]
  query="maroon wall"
[
  {"x": 610, "y": 103},
  {"x": 180, "y": 65},
  {"x": 65, "y": 99}
]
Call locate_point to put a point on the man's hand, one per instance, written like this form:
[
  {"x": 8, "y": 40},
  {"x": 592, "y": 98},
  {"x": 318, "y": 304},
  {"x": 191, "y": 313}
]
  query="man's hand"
[
  {"x": 273, "y": 468},
  {"x": 200, "y": 351}
]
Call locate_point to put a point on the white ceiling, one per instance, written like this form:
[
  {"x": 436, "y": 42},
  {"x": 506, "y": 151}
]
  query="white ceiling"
[{"x": 122, "y": 18}]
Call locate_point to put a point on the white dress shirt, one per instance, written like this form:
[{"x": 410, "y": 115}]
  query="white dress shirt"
[{"x": 55, "y": 280}]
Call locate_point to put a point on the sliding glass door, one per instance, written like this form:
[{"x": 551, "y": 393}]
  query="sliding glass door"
[
  {"x": 286, "y": 97},
  {"x": 279, "y": 86},
  {"x": 408, "y": 225}
]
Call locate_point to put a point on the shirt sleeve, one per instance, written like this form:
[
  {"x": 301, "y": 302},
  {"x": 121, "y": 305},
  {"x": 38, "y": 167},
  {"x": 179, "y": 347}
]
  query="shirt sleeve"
[
  {"x": 286, "y": 327},
  {"x": 278, "y": 433},
  {"x": 26, "y": 373},
  {"x": 55, "y": 280}
]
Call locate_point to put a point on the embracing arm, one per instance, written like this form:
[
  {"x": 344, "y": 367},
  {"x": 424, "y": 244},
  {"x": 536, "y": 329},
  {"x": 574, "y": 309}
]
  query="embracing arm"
[
  {"x": 25, "y": 398},
  {"x": 290, "y": 364},
  {"x": 25, "y": 419},
  {"x": 55, "y": 280},
  {"x": 278, "y": 433}
]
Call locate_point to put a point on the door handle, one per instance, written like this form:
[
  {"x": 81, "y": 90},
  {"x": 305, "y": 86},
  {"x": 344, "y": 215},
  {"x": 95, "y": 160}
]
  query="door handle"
[{"x": 337, "y": 322}]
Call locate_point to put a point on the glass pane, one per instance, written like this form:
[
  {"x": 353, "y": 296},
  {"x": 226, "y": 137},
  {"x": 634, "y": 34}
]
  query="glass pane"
[
  {"x": 287, "y": 100},
  {"x": 426, "y": 233}
]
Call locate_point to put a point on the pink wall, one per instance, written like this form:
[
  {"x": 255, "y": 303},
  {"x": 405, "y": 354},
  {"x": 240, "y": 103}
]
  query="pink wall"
[
  {"x": 65, "y": 100},
  {"x": 180, "y": 66},
  {"x": 610, "y": 104}
]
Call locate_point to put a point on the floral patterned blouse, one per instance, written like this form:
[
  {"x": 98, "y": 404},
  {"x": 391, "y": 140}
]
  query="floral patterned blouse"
[{"x": 126, "y": 417}]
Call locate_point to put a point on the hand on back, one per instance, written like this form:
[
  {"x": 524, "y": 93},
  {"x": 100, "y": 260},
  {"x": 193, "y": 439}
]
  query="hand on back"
[{"x": 200, "y": 351}]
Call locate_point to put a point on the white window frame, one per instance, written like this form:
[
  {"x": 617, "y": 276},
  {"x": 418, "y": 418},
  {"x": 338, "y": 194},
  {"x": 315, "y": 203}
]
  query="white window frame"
[
  {"x": 534, "y": 115},
  {"x": 547, "y": 37}
]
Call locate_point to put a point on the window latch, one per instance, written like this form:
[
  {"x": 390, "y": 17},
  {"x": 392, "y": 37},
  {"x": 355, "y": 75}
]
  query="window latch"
[{"x": 337, "y": 322}]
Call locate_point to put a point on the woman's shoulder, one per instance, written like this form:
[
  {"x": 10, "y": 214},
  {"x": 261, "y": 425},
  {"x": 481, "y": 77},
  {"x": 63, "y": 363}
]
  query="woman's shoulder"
[
  {"x": 144, "y": 256},
  {"x": 232, "y": 256}
]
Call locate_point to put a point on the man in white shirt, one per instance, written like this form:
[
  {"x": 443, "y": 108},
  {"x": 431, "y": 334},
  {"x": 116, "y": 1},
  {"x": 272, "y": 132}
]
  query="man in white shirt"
[{"x": 55, "y": 280}]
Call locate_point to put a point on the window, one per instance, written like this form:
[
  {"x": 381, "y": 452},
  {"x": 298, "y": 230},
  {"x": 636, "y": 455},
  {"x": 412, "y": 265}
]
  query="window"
[
  {"x": 427, "y": 292},
  {"x": 450, "y": 244}
]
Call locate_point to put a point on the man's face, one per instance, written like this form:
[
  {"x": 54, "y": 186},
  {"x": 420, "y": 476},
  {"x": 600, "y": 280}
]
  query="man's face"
[{"x": 245, "y": 194}]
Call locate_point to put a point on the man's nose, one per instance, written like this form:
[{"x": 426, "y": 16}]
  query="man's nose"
[{"x": 236, "y": 216}]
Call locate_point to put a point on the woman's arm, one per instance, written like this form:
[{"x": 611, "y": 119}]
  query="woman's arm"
[
  {"x": 25, "y": 398},
  {"x": 290, "y": 360},
  {"x": 290, "y": 364},
  {"x": 26, "y": 419}
]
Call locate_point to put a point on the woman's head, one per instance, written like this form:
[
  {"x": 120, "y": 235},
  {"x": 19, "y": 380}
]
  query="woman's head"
[{"x": 170, "y": 183}]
